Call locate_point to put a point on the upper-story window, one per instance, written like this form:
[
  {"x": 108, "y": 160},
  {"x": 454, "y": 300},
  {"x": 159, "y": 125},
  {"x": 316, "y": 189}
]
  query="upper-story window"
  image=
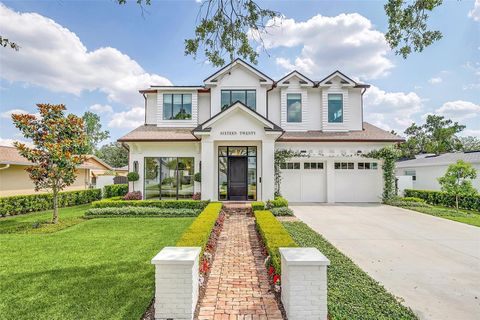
[
  {"x": 177, "y": 106},
  {"x": 335, "y": 108},
  {"x": 294, "y": 107},
  {"x": 247, "y": 97}
]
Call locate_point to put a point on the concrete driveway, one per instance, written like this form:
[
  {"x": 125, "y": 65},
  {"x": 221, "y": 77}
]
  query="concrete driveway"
[{"x": 432, "y": 263}]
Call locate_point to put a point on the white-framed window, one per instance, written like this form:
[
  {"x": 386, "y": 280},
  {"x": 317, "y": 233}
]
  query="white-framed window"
[
  {"x": 344, "y": 165},
  {"x": 290, "y": 166},
  {"x": 313, "y": 165},
  {"x": 335, "y": 108},
  {"x": 412, "y": 173},
  {"x": 177, "y": 106},
  {"x": 367, "y": 166},
  {"x": 294, "y": 107}
]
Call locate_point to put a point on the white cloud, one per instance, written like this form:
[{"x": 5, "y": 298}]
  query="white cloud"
[
  {"x": 459, "y": 110},
  {"x": 391, "y": 110},
  {"x": 8, "y": 114},
  {"x": 470, "y": 132},
  {"x": 435, "y": 80},
  {"x": 9, "y": 142},
  {"x": 128, "y": 119},
  {"x": 347, "y": 42},
  {"x": 101, "y": 108},
  {"x": 475, "y": 12},
  {"x": 53, "y": 57}
]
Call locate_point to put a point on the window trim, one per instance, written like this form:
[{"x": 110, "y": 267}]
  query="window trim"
[
  {"x": 328, "y": 106},
  {"x": 171, "y": 108},
  {"x": 230, "y": 97},
  {"x": 301, "y": 106}
]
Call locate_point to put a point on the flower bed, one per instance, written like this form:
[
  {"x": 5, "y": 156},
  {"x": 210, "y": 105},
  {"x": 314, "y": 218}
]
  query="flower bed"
[
  {"x": 141, "y": 212},
  {"x": 186, "y": 204}
]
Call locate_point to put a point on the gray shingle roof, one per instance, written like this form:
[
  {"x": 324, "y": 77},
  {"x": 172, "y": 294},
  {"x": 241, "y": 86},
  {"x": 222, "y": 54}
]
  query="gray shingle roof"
[
  {"x": 443, "y": 159},
  {"x": 154, "y": 133}
]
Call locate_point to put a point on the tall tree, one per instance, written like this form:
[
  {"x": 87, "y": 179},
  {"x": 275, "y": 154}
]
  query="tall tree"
[
  {"x": 458, "y": 180},
  {"x": 114, "y": 154},
  {"x": 59, "y": 145},
  {"x": 470, "y": 143},
  {"x": 93, "y": 129},
  {"x": 437, "y": 135}
]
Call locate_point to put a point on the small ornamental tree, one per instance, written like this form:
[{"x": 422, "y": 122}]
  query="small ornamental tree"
[
  {"x": 458, "y": 180},
  {"x": 389, "y": 155},
  {"x": 59, "y": 145},
  {"x": 132, "y": 177}
]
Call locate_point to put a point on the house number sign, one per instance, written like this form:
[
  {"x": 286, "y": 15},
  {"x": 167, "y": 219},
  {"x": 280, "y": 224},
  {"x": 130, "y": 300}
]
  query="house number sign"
[{"x": 237, "y": 133}]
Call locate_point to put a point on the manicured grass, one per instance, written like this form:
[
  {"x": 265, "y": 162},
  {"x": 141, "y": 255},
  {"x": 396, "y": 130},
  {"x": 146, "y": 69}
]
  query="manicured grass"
[
  {"x": 97, "y": 269},
  {"x": 352, "y": 293},
  {"x": 39, "y": 222},
  {"x": 464, "y": 216}
]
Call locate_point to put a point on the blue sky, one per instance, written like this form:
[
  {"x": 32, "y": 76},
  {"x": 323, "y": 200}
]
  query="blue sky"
[{"x": 95, "y": 55}]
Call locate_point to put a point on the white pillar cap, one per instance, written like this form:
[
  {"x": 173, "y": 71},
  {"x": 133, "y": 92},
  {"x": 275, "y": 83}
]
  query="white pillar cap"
[
  {"x": 177, "y": 255},
  {"x": 304, "y": 256}
]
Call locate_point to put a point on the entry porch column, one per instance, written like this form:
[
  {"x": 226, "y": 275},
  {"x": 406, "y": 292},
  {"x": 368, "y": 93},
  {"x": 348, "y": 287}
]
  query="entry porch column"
[
  {"x": 268, "y": 171},
  {"x": 208, "y": 174}
]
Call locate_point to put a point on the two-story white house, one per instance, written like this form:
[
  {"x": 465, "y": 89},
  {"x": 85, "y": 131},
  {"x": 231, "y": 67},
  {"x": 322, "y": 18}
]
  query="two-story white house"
[{"x": 229, "y": 128}]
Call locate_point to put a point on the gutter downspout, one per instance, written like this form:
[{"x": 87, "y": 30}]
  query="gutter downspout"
[
  {"x": 361, "y": 95},
  {"x": 274, "y": 85},
  {"x": 6, "y": 167},
  {"x": 145, "y": 98}
]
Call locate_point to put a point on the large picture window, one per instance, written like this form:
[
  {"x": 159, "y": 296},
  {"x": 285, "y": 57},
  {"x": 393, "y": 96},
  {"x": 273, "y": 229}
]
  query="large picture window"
[
  {"x": 294, "y": 107},
  {"x": 177, "y": 106},
  {"x": 169, "y": 178},
  {"x": 247, "y": 97},
  {"x": 335, "y": 108}
]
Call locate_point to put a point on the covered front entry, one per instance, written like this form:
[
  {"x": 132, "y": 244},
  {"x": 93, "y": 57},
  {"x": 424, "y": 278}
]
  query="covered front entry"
[{"x": 237, "y": 173}]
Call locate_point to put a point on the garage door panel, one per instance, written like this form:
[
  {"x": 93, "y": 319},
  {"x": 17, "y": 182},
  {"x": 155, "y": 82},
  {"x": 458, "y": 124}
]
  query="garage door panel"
[
  {"x": 357, "y": 185},
  {"x": 303, "y": 185}
]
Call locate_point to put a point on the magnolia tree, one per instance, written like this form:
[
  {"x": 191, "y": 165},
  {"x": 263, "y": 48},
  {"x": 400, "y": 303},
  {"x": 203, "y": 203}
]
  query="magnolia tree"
[
  {"x": 59, "y": 143},
  {"x": 458, "y": 180}
]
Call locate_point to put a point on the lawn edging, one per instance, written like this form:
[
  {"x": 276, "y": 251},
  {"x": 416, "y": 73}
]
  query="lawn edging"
[
  {"x": 112, "y": 212},
  {"x": 352, "y": 293},
  {"x": 171, "y": 204}
]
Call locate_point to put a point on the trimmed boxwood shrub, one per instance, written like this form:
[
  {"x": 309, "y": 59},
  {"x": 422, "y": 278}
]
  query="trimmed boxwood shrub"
[
  {"x": 115, "y": 190},
  {"x": 277, "y": 203},
  {"x": 44, "y": 201},
  {"x": 258, "y": 205},
  {"x": 187, "y": 204},
  {"x": 140, "y": 212},
  {"x": 282, "y": 211},
  {"x": 274, "y": 236},
  {"x": 439, "y": 198},
  {"x": 198, "y": 233}
]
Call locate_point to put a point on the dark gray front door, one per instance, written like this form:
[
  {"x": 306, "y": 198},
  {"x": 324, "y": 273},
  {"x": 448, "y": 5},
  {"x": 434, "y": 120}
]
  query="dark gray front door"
[{"x": 237, "y": 178}]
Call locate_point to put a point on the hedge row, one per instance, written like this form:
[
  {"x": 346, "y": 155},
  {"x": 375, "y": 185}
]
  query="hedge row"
[
  {"x": 44, "y": 201},
  {"x": 198, "y": 233},
  {"x": 115, "y": 190},
  {"x": 439, "y": 198},
  {"x": 274, "y": 236},
  {"x": 140, "y": 212},
  {"x": 172, "y": 204},
  {"x": 258, "y": 205}
]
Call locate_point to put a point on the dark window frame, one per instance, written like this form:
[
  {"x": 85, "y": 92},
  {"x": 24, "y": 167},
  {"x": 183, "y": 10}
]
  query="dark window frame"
[
  {"x": 238, "y": 90},
  {"x": 328, "y": 107},
  {"x": 301, "y": 107},
  {"x": 182, "y": 107}
]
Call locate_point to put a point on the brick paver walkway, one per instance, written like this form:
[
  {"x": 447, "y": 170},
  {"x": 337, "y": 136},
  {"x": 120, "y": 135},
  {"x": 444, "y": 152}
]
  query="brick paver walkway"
[{"x": 238, "y": 287}]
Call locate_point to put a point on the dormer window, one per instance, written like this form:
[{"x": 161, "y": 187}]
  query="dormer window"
[
  {"x": 294, "y": 107},
  {"x": 177, "y": 106},
  {"x": 335, "y": 108},
  {"x": 247, "y": 97}
]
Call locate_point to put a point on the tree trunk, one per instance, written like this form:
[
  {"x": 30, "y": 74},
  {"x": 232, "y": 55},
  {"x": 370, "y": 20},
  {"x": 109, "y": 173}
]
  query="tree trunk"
[
  {"x": 55, "y": 207},
  {"x": 456, "y": 201}
]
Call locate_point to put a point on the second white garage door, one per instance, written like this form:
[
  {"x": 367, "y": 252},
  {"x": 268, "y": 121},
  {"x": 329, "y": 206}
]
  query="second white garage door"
[{"x": 304, "y": 182}]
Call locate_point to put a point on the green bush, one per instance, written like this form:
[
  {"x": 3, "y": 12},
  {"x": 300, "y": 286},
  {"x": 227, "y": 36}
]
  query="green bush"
[
  {"x": 140, "y": 212},
  {"x": 274, "y": 236},
  {"x": 115, "y": 190},
  {"x": 44, "y": 201},
  {"x": 198, "y": 233},
  {"x": 439, "y": 198},
  {"x": 412, "y": 199},
  {"x": 282, "y": 211},
  {"x": 174, "y": 204},
  {"x": 258, "y": 205},
  {"x": 278, "y": 202}
]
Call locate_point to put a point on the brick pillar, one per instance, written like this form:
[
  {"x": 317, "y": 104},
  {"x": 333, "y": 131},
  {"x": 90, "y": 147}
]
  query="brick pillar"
[
  {"x": 176, "y": 282},
  {"x": 304, "y": 283}
]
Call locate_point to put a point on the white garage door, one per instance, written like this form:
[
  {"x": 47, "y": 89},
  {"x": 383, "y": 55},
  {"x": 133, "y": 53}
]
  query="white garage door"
[
  {"x": 357, "y": 182},
  {"x": 304, "y": 182}
]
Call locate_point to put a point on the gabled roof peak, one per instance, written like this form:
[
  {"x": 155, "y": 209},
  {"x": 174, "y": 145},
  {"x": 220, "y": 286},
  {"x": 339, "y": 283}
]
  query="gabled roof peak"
[
  {"x": 263, "y": 77},
  {"x": 304, "y": 79}
]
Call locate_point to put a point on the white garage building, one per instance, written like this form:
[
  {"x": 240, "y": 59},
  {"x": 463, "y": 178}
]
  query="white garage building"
[{"x": 229, "y": 129}]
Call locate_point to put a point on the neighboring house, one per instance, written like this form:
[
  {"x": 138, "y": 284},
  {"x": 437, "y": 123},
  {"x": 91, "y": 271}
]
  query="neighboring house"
[
  {"x": 424, "y": 171},
  {"x": 14, "y": 180},
  {"x": 229, "y": 128}
]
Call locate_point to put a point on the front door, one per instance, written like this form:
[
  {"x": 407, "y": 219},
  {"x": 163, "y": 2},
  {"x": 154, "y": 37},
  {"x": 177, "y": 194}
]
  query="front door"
[{"x": 237, "y": 178}]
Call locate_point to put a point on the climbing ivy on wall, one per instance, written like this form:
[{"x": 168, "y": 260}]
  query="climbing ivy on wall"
[
  {"x": 389, "y": 155},
  {"x": 281, "y": 157}
]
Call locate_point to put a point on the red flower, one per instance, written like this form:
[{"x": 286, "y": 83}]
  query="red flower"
[
  {"x": 276, "y": 278},
  {"x": 271, "y": 270},
  {"x": 204, "y": 267}
]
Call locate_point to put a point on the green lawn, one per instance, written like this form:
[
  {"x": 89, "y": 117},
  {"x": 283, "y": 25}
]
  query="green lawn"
[
  {"x": 464, "y": 216},
  {"x": 352, "y": 293},
  {"x": 93, "y": 269}
]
